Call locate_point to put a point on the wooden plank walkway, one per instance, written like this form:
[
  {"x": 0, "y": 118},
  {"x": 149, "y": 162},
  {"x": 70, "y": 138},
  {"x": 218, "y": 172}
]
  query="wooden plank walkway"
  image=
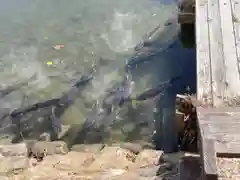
[
  {"x": 218, "y": 81},
  {"x": 218, "y": 51}
]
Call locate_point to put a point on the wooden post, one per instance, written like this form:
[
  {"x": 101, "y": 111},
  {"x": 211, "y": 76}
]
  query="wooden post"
[{"x": 186, "y": 10}]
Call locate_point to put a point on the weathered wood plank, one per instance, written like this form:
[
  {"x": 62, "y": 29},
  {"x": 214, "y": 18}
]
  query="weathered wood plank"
[
  {"x": 203, "y": 55},
  {"x": 214, "y": 133},
  {"x": 228, "y": 150},
  {"x": 186, "y": 18},
  {"x": 221, "y": 119},
  {"x": 216, "y": 53},
  {"x": 223, "y": 130},
  {"x": 209, "y": 159},
  {"x": 219, "y": 110},
  {"x": 227, "y": 142},
  {"x": 229, "y": 49},
  {"x": 236, "y": 25},
  {"x": 208, "y": 156},
  {"x": 218, "y": 115},
  {"x": 223, "y": 137},
  {"x": 224, "y": 127},
  {"x": 218, "y": 119},
  {"x": 223, "y": 122}
]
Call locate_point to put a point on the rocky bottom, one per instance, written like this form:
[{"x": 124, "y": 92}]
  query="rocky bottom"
[{"x": 53, "y": 161}]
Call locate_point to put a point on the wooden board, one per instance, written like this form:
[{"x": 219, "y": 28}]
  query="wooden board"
[
  {"x": 229, "y": 48},
  {"x": 228, "y": 150},
  {"x": 209, "y": 160},
  {"x": 186, "y": 18},
  {"x": 236, "y": 24},
  {"x": 208, "y": 156},
  {"x": 219, "y": 136},
  {"x": 225, "y": 132},
  {"x": 219, "y": 110},
  {"x": 223, "y": 128},
  {"x": 204, "y": 88},
  {"x": 218, "y": 115},
  {"x": 221, "y": 119},
  {"x": 218, "y": 52}
]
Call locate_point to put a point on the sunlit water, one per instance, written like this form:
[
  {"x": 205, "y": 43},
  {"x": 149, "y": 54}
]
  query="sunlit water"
[{"x": 94, "y": 31}]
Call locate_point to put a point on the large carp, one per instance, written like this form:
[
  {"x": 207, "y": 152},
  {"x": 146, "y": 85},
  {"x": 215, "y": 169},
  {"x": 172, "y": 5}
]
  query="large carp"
[{"x": 155, "y": 41}]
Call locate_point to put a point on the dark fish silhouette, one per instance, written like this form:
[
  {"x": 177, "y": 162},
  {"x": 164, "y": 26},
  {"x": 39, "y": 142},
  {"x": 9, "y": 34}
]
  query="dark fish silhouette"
[
  {"x": 155, "y": 42},
  {"x": 65, "y": 99},
  {"x": 151, "y": 93}
]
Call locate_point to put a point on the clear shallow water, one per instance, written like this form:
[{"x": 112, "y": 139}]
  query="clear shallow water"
[{"x": 104, "y": 32}]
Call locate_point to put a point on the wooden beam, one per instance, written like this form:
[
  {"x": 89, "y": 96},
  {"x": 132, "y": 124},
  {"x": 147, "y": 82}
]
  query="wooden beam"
[
  {"x": 186, "y": 13},
  {"x": 209, "y": 159},
  {"x": 207, "y": 151},
  {"x": 186, "y": 18},
  {"x": 228, "y": 150},
  {"x": 230, "y": 51},
  {"x": 204, "y": 79},
  {"x": 236, "y": 24},
  {"x": 216, "y": 53}
]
